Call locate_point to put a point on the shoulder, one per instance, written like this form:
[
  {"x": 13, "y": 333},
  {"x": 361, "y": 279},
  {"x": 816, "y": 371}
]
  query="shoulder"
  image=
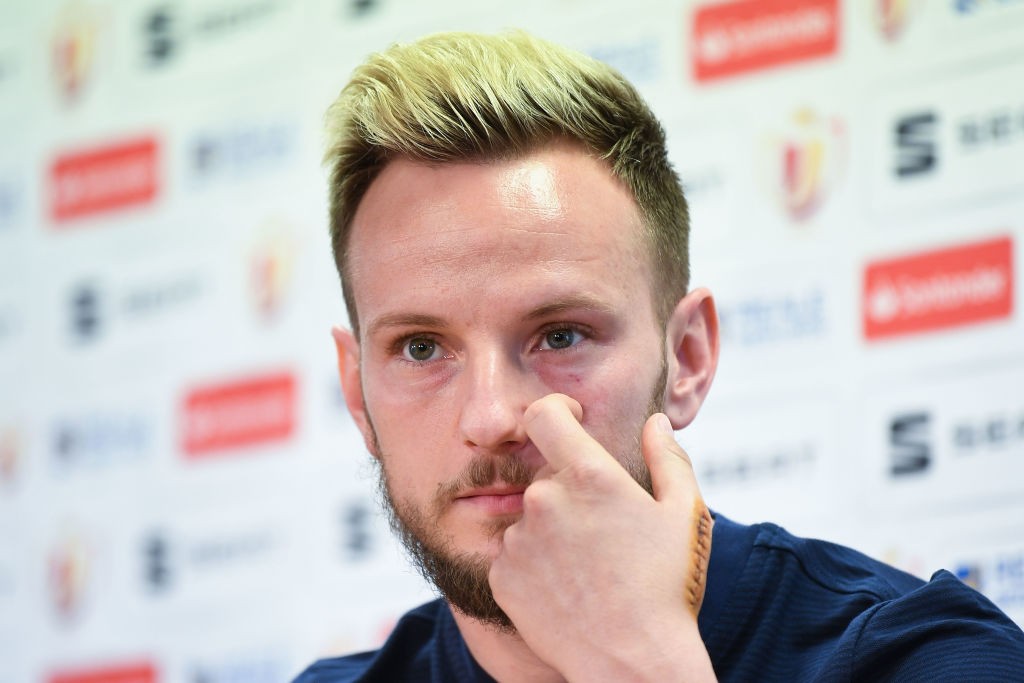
[
  {"x": 944, "y": 630},
  {"x": 791, "y": 608},
  {"x": 404, "y": 656},
  {"x": 831, "y": 567}
]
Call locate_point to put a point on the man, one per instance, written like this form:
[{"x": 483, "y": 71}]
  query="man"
[{"x": 512, "y": 244}]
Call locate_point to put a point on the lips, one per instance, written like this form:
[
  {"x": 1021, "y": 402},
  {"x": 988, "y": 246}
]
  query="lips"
[{"x": 496, "y": 500}]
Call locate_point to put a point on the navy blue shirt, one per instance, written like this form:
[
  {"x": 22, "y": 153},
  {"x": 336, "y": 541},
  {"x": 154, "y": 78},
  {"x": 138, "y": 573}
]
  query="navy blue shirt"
[{"x": 777, "y": 608}]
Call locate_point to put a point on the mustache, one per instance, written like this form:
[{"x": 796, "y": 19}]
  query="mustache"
[{"x": 486, "y": 470}]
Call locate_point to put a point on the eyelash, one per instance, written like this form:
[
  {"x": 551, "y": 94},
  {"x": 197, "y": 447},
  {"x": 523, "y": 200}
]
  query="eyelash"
[
  {"x": 398, "y": 346},
  {"x": 581, "y": 330}
]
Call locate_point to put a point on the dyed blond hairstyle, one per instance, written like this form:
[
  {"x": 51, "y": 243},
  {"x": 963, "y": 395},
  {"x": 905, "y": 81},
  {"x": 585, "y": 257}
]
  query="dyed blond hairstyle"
[{"x": 469, "y": 97}]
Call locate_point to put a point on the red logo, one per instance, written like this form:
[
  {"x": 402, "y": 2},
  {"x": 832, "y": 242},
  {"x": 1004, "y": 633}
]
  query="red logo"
[
  {"x": 73, "y": 49},
  {"x": 891, "y": 16},
  {"x": 806, "y": 156},
  {"x": 271, "y": 265},
  {"x": 10, "y": 451},
  {"x": 70, "y": 569},
  {"x": 939, "y": 289},
  {"x": 142, "y": 672},
  {"x": 735, "y": 37},
  {"x": 103, "y": 179},
  {"x": 242, "y": 413}
]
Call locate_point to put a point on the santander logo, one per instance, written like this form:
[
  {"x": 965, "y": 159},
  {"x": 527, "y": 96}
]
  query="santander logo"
[
  {"x": 141, "y": 672},
  {"x": 103, "y": 179},
  {"x": 732, "y": 38},
  {"x": 249, "y": 412},
  {"x": 938, "y": 289}
]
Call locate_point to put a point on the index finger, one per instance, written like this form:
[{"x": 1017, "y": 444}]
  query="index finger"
[{"x": 553, "y": 424}]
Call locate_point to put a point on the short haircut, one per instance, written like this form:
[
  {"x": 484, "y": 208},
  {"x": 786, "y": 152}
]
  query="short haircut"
[{"x": 454, "y": 97}]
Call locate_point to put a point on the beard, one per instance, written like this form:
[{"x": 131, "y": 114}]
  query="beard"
[{"x": 461, "y": 577}]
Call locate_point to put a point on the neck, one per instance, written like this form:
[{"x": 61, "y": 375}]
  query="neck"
[{"x": 505, "y": 656}]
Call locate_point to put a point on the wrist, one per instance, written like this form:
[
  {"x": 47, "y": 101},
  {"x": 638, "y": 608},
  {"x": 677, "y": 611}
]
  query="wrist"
[{"x": 673, "y": 652}]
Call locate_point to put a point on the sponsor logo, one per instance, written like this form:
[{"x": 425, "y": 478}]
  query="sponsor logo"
[
  {"x": 932, "y": 150},
  {"x": 639, "y": 61},
  {"x": 257, "y": 668},
  {"x": 135, "y": 672},
  {"x": 362, "y": 8},
  {"x": 910, "y": 562},
  {"x": 243, "y": 413},
  {"x": 104, "y": 179},
  {"x": 70, "y": 567},
  {"x": 969, "y": 7},
  {"x": 166, "y": 32},
  {"x": 99, "y": 440},
  {"x": 733, "y": 38},
  {"x": 916, "y": 144},
  {"x": 805, "y": 159},
  {"x": 92, "y": 310},
  {"x": 154, "y": 297},
  {"x": 702, "y": 182},
  {"x": 782, "y": 462},
  {"x": 990, "y": 434},
  {"x": 765, "y": 320},
  {"x": 167, "y": 558},
  {"x": 916, "y": 137},
  {"x": 73, "y": 49},
  {"x": 1001, "y": 577},
  {"x": 891, "y": 17},
  {"x": 272, "y": 262},
  {"x": 1009, "y": 581},
  {"x": 979, "y": 132},
  {"x": 241, "y": 152},
  {"x": 84, "y": 309},
  {"x": 934, "y": 290},
  {"x": 357, "y": 538},
  {"x": 10, "y": 454},
  {"x": 971, "y": 574},
  {"x": 161, "y": 42},
  {"x": 910, "y": 446},
  {"x": 156, "y": 571}
]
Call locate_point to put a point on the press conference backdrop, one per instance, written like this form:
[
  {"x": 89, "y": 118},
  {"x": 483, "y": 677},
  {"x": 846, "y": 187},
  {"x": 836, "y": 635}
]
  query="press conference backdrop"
[{"x": 183, "y": 496}]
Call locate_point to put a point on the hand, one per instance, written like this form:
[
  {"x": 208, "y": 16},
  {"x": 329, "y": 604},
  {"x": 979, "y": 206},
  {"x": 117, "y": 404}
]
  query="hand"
[{"x": 603, "y": 581}]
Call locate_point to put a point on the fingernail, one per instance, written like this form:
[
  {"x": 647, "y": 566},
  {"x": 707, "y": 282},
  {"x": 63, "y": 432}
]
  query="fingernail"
[{"x": 663, "y": 425}]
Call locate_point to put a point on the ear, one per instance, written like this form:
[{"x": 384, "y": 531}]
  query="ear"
[
  {"x": 352, "y": 383},
  {"x": 692, "y": 348}
]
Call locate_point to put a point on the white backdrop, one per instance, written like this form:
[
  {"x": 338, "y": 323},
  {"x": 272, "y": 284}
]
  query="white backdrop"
[{"x": 182, "y": 494}]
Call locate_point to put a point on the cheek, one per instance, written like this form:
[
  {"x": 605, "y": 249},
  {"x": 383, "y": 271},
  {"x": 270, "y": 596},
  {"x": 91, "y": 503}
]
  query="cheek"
[{"x": 609, "y": 393}]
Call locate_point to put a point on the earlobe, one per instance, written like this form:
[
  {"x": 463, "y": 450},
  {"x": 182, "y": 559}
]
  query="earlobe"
[
  {"x": 351, "y": 382},
  {"x": 692, "y": 349}
]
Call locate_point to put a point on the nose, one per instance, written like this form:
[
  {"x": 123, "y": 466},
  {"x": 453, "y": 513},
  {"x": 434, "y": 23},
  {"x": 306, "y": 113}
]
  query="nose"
[{"x": 495, "y": 395}]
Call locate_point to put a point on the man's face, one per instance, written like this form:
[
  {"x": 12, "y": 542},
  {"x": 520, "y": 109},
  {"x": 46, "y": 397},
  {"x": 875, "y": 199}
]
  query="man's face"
[{"x": 481, "y": 288}]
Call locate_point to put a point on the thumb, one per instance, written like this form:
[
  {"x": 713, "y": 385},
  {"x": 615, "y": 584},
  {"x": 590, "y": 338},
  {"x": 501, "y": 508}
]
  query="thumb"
[
  {"x": 672, "y": 476},
  {"x": 675, "y": 484}
]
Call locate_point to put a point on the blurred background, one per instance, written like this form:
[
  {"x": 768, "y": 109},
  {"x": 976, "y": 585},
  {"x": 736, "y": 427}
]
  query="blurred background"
[{"x": 183, "y": 497}]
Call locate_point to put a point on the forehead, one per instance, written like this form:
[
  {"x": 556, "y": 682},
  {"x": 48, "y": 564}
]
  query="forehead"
[{"x": 557, "y": 212}]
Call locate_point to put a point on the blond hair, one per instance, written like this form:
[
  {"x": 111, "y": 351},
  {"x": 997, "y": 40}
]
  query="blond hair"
[{"x": 466, "y": 97}]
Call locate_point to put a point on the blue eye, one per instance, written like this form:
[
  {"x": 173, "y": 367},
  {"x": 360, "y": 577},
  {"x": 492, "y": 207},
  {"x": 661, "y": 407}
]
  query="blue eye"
[
  {"x": 420, "y": 349},
  {"x": 560, "y": 338}
]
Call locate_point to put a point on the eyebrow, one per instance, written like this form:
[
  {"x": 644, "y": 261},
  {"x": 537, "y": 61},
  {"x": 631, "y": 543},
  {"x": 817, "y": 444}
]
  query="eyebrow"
[
  {"x": 403, "y": 320},
  {"x": 571, "y": 303}
]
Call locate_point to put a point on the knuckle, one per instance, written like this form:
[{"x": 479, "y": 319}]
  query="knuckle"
[
  {"x": 539, "y": 406},
  {"x": 588, "y": 474},
  {"x": 535, "y": 498}
]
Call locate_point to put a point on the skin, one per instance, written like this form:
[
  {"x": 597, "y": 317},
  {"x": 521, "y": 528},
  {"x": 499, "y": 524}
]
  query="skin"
[{"x": 506, "y": 312}]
